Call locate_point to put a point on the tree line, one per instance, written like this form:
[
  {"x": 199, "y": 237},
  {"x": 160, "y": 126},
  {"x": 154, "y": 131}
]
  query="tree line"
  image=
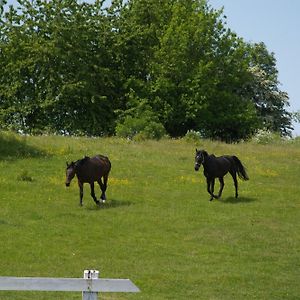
[{"x": 158, "y": 66}]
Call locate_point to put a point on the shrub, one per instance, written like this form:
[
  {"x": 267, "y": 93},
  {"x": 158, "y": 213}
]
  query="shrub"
[
  {"x": 140, "y": 129},
  {"x": 264, "y": 136},
  {"x": 192, "y": 136},
  {"x": 139, "y": 122}
]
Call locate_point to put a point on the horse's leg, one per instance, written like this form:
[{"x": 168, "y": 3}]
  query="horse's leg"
[
  {"x": 103, "y": 187},
  {"x": 209, "y": 188},
  {"x": 93, "y": 193},
  {"x": 80, "y": 185},
  {"x": 213, "y": 187},
  {"x": 221, "y": 179},
  {"x": 233, "y": 174}
]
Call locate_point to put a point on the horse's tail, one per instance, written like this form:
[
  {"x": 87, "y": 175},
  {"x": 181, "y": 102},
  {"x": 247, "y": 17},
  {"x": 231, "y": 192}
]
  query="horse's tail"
[{"x": 241, "y": 170}]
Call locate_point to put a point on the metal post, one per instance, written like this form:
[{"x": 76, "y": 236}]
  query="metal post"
[{"x": 90, "y": 274}]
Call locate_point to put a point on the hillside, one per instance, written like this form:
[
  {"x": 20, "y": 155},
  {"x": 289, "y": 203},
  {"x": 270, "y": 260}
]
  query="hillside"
[{"x": 158, "y": 227}]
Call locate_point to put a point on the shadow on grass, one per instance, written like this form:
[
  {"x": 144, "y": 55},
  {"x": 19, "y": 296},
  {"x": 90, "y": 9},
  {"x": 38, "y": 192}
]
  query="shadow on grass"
[
  {"x": 112, "y": 203},
  {"x": 3, "y": 222},
  {"x": 8, "y": 224},
  {"x": 13, "y": 147},
  {"x": 233, "y": 200}
]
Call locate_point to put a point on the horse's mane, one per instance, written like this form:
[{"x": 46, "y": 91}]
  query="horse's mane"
[{"x": 82, "y": 161}]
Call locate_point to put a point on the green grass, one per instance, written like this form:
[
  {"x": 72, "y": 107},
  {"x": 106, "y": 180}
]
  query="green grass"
[{"x": 158, "y": 227}]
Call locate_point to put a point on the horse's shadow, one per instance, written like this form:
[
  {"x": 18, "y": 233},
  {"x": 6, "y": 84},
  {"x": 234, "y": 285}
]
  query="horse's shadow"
[
  {"x": 111, "y": 203},
  {"x": 233, "y": 200}
]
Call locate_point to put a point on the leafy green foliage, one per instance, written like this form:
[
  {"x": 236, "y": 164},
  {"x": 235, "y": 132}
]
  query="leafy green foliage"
[
  {"x": 139, "y": 121},
  {"x": 269, "y": 100},
  {"x": 193, "y": 136},
  {"x": 140, "y": 128},
  {"x": 69, "y": 67},
  {"x": 266, "y": 137},
  {"x": 55, "y": 68}
]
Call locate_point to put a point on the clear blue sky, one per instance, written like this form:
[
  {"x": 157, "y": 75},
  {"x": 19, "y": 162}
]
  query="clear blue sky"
[{"x": 277, "y": 24}]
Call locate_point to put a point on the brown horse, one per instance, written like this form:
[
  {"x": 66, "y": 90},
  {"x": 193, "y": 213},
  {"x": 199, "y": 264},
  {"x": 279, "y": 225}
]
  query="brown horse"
[{"x": 89, "y": 170}]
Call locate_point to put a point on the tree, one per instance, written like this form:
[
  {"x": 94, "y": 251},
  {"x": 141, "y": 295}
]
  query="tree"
[
  {"x": 270, "y": 102},
  {"x": 138, "y": 120},
  {"x": 55, "y": 62},
  {"x": 72, "y": 67},
  {"x": 199, "y": 69}
]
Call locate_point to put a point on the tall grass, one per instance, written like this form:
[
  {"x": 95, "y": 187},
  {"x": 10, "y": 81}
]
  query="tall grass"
[{"x": 158, "y": 227}]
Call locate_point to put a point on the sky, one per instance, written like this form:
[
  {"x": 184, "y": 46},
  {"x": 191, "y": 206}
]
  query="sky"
[{"x": 277, "y": 24}]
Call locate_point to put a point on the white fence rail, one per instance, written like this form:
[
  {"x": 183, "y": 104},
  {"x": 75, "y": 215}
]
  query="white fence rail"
[{"x": 89, "y": 285}]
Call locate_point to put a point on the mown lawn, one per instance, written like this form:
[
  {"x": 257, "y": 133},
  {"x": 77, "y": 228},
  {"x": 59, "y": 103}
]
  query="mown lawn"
[{"x": 158, "y": 227}]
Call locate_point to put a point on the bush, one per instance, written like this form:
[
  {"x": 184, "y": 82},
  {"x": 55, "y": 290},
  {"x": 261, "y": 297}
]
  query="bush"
[
  {"x": 139, "y": 122},
  {"x": 154, "y": 131},
  {"x": 264, "y": 136},
  {"x": 130, "y": 127},
  {"x": 140, "y": 129},
  {"x": 192, "y": 136}
]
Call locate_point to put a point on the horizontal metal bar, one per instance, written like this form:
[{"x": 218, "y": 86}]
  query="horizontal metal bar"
[{"x": 67, "y": 284}]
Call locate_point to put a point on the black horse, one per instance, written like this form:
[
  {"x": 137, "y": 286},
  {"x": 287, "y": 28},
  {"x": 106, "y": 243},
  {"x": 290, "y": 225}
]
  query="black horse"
[
  {"x": 218, "y": 167},
  {"x": 89, "y": 170}
]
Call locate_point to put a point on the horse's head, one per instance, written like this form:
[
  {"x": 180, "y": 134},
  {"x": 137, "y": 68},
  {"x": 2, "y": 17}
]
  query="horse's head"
[
  {"x": 199, "y": 158},
  {"x": 70, "y": 173}
]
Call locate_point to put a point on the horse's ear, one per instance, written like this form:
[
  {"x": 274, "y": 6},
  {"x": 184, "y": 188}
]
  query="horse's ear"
[
  {"x": 67, "y": 163},
  {"x": 196, "y": 150},
  {"x": 205, "y": 153}
]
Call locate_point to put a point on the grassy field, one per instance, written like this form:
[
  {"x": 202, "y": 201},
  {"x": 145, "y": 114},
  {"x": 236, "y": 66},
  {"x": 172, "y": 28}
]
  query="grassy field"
[{"x": 158, "y": 227}]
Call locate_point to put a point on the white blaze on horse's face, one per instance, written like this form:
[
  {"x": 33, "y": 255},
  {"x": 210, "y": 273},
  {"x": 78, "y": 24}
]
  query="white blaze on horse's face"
[
  {"x": 70, "y": 173},
  {"x": 198, "y": 160}
]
